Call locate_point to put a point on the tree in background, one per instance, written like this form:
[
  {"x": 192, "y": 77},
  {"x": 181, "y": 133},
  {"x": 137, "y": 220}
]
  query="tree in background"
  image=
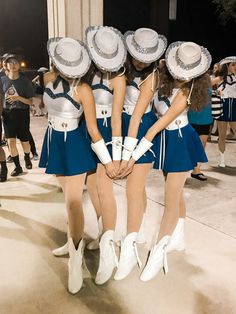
[{"x": 226, "y": 10}]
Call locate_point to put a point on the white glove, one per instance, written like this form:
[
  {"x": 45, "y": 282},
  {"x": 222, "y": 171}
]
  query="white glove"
[
  {"x": 143, "y": 146},
  {"x": 116, "y": 147},
  {"x": 101, "y": 151},
  {"x": 129, "y": 145}
]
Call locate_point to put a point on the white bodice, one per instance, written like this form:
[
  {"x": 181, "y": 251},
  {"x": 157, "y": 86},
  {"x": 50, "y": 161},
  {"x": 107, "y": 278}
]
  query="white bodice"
[
  {"x": 229, "y": 91},
  {"x": 59, "y": 103},
  {"x": 163, "y": 105},
  {"x": 102, "y": 94},
  {"x": 132, "y": 92}
]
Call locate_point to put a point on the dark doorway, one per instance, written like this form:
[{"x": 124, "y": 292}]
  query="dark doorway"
[
  {"x": 24, "y": 30},
  {"x": 195, "y": 21}
]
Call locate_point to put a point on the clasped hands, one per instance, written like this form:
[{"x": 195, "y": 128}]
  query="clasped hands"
[{"x": 117, "y": 169}]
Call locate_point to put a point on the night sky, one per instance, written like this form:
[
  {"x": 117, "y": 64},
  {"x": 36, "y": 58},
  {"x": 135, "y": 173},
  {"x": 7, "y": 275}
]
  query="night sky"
[{"x": 23, "y": 25}]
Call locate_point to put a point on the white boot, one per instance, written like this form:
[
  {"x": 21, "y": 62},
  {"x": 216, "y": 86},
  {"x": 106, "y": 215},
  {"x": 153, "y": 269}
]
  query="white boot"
[
  {"x": 176, "y": 242},
  {"x": 108, "y": 259},
  {"x": 62, "y": 250},
  {"x": 141, "y": 236},
  {"x": 221, "y": 159},
  {"x": 75, "y": 278},
  {"x": 156, "y": 260},
  {"x": 94, "y": 244},
  {"x": 128, "y": 257}
]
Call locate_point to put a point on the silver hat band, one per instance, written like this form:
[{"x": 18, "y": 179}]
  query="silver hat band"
[
  {"x": 186, "y": 66},
  {"x": 144, "y": 50},
  {"x": 101, "y": 53},
  {"x": 66, "y": 62}
]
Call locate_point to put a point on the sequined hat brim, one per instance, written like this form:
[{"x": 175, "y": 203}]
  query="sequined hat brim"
[
  {"x": 112, "y": 64},
  {"x": 231, "y": 59},
  {"x": 185, "y": 73},
  {"x": 142, "y": 56},
  {"x": 66, "y": 68}
]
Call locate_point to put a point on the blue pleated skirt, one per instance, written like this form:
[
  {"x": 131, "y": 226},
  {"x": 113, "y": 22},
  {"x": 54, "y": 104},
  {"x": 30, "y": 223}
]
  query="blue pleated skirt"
[
  {"x": 148, "y": 119},
  {"x": 68, "y": 157},
  {"x": 229, "y": 110},
  {"x": 176, "y": 153}
]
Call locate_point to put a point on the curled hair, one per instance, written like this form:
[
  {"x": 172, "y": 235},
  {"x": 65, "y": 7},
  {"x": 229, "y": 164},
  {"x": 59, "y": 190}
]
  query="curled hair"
[
  {"x": 200, "y": 96},
  {"x": 130, "y": 70}
]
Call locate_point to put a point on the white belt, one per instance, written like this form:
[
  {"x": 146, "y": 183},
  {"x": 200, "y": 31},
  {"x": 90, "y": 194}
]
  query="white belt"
[
  {"x": 130, "y": 109},
  {"x": 62, "y": 125},
  {"x": 103, "y": 112},
  {"x": 177, "y": 124}
]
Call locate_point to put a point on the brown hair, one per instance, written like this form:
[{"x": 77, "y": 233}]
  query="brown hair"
[
  {"x": 200, "y": 95},
  {"x": 130, "y": 70}
]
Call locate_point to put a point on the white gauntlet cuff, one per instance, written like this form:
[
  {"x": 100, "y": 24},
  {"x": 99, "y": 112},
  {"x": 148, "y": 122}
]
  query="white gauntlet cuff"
[
  {"x": 129, "y": 145},
  {"x": 101, "y": 151},
  {"x": 116, "y": 147},
  {"x": 143, "y": 146}
]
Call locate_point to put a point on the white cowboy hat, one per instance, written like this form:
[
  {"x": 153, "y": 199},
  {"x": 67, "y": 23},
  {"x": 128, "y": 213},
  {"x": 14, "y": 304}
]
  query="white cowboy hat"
[
  {"x": 106, "y": 47},
  {"x": 69, "y": 56},
  {"x": 231, "y": 59},
  {"x": 145, "y": 44},
  {"x": 42, "y": 69},
  {"x": 186, "y": 60}
]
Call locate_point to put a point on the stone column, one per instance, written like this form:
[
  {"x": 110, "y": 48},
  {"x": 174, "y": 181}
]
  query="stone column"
[{"x": 71, "y": 17}]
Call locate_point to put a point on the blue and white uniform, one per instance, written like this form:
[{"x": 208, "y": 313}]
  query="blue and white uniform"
[
  {"x": 228, "y": 95},
  {"x": 65, "y": 149},
  {"x": 178, "y": 147},
  {"x": 103, "y": 97},
  {"x": 148, "y": 118}
]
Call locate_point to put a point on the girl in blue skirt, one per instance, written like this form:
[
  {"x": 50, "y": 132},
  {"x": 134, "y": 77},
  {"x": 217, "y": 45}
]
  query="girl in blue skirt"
[
  {"x": 178, "y": 148},
  {"x": 145, "y": 47},
  {"x": 66, "y": 152},
  {"x": 108, "y": 53},
  {"x": 227, "y": 86}
]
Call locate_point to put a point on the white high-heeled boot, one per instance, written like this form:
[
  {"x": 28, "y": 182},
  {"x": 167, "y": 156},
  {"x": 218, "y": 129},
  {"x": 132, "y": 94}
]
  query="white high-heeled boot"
[
  {"x": 156, "y": 260},
  {"x": 221, "y": 159},
  {"x": 94, "y": 244},
  {"x": 75, "y": 278},
  {"x": 128, "y": 257},
  {"x": 108, "y": 259},
  {"x": 62, "y": 250},
  {"x": 176, "y": 242}
]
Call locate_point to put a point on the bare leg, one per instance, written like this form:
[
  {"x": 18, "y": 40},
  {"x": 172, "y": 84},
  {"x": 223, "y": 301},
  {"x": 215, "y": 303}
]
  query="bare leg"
[
  {"x": 203, "y": 139},
  {"x": 26, "y": 147},
  {"x": 136, "y": 196},
  {"x": 222, "y": 128},
  {"x": 233, "y": 126},
  {"x": 73, "y": 189},
  {"x": 173, "y": 199},
  {"x": 106, "y": 198},
  {"x": 12, "y": 146},
  {"x": 91, "y": 183},
  {"x": 182, "y": 208}
]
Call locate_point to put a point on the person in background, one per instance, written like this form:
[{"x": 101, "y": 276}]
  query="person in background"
[
  {"x": 201, "y": 121},
  {"x": 3, "y": 164},
  {"x": 18, "y": 92},
  {"x": 226, "y": 83}
]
